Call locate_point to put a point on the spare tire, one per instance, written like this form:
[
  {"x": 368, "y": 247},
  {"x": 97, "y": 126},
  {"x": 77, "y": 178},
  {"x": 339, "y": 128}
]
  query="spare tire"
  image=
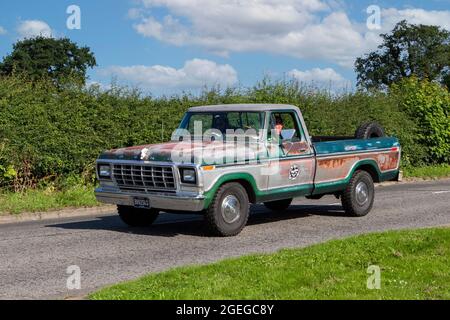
[{"x": 369, "y": 130}]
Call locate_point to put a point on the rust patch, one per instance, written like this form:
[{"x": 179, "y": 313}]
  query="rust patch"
[
  {"x": 388, "y": 161},
  {"x": 332, "y": 163}
]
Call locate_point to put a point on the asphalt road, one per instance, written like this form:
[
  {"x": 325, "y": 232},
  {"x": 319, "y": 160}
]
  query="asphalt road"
[{"x": 34, "y": 256}]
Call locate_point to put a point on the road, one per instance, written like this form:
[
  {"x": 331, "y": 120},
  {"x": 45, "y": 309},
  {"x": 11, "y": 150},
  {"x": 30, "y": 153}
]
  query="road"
[{"x": 34, "y": 256}]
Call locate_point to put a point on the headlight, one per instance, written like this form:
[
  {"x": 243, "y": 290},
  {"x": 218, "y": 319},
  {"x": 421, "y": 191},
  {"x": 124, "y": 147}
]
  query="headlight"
[
  {"x": 188, "y": 176},
  {"x": 104, "y": 171}
]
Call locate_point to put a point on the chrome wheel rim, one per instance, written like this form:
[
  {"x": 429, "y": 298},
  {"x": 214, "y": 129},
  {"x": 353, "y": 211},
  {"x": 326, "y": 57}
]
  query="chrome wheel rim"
[
  {"x": 362, "y": 193},
  {"x": 231, "y": 209}
]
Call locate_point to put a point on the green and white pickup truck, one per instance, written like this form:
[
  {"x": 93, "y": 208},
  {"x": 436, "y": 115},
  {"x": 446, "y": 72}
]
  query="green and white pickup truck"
[{"x": 224, "y": 158}]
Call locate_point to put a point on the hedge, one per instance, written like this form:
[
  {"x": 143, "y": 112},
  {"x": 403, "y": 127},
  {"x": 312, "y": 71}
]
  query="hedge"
[{"x": 49, "y": 134}]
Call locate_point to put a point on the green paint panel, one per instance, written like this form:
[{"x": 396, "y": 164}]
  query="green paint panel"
[
  {"x": 209, "y": 195},
  {"x": 344, "y": 146},
  {"x": 260, "y": 195}
]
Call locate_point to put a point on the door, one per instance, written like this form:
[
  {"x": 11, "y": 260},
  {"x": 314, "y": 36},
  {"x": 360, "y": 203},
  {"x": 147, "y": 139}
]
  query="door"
[{"x": 292, "y": 158}]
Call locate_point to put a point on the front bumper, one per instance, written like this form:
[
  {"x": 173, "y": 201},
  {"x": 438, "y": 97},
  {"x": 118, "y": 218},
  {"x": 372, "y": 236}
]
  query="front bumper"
[{"x": 175, "y": 202}]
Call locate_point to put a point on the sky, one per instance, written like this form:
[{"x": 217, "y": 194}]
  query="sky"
[{"x": 171, "y": 46}]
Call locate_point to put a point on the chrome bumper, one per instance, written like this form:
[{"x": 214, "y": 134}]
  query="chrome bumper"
[{"x": 176, "y": 202}]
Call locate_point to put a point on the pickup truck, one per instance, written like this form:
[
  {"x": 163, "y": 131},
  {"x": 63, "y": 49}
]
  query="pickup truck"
[{"x": 224, "y": 158}]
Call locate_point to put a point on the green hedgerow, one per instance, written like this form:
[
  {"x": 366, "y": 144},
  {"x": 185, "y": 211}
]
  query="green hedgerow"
[{"x": 48, "y": 134}]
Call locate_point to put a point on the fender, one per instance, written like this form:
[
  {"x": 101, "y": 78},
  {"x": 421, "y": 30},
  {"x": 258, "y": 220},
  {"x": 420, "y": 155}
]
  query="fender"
[
  {"x": 338, "y": 185},
  {"x": 236, "y": 176}
]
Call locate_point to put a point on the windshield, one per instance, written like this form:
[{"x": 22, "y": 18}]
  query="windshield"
[{"x": 223, "y": 122}]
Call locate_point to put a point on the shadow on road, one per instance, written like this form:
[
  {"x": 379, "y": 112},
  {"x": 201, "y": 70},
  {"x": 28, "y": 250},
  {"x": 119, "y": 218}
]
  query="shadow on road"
[{"x": 170, "y": 225}]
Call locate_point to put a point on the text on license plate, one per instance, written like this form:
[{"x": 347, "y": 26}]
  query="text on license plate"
[{"x": 142, "y": 203}]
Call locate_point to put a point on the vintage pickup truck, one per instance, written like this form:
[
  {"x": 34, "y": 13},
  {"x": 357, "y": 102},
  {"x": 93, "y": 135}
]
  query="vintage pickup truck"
[{"x": 224, "y": 158}]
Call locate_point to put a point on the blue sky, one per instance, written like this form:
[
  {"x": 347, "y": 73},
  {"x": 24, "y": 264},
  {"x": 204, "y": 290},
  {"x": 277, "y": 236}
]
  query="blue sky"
[{"x": 166, "y": 46}]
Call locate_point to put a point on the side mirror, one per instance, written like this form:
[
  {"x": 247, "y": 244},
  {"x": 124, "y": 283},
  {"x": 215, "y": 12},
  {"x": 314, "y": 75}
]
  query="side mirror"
[
  {"x": 286, "y": 140},
  {"x": 287, "y": 135}
]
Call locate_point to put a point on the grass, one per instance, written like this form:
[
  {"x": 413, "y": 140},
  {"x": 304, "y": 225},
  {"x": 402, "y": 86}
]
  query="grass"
[
  {"x": 46, "y": 200},
  {"x": 427, "y": 172},
  {"x": 414, "y": 265}
]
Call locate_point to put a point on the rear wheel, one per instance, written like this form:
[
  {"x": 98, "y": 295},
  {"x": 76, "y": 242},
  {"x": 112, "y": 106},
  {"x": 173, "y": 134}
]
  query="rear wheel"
[
  {"x": 229, "y": 211},
  {"x": 358, "y": 197},
  {"x": 135, "y": 217},
  {"x": 279, "y": 205}
]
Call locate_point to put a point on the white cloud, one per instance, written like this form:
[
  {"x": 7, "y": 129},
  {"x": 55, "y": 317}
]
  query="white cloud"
[
  {"x": 316, "y": 74},
  {"x": 34, "y": 28},
  {"x": 305, "y": 29},
  {"x": 100, "y": 85},
  {"x": 415, "y": 16},
  {"x": 135, "y": 13},
  {"x": 327, "y": 77},
  {"x": 2, "y": 31},
  {"x": 194, "y": 74}
]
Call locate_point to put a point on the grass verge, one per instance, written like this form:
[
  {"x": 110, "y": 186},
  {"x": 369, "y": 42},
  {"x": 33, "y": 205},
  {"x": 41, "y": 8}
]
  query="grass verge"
[
  {"x": 427, "y": 172},
  {"x": 414, "y": 265},
  {"x": 46, "y": 200}
]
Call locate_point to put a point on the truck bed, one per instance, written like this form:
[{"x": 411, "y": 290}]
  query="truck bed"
[
  {"x": 316, "y": 139},
  {"x": 354, "y": 145}
]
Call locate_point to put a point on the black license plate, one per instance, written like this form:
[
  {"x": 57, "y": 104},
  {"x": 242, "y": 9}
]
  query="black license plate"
[{"x": 142, "y": 203}]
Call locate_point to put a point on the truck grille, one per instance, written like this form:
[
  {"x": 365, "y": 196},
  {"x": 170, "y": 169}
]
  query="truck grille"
[{"x": 144, "y": 177}]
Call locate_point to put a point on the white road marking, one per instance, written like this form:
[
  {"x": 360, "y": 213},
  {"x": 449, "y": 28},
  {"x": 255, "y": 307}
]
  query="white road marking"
[{"x": 441, "y": 192}]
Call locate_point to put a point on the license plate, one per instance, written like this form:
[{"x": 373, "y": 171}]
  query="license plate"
[{"x": 142, "y": 203}]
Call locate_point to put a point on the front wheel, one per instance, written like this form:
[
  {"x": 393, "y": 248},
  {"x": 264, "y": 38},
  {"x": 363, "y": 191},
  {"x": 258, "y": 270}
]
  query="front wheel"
[
  {"x": 358, "y": 197},
  {"x": 228, "y": 213},
  {"x": 135, "y": 217}
]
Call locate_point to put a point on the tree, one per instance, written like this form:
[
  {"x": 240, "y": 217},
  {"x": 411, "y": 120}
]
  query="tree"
[
  {"x": 56, "y": 58},
  {"x": 428, "y": 104},
  {"x": 419, "y": 50}
]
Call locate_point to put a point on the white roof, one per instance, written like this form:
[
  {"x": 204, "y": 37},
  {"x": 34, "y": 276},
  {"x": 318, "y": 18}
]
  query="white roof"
[{"x": 243, "y": 107}]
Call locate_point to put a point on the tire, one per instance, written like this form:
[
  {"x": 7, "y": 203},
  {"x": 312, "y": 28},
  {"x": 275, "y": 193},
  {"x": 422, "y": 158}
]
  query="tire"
[
  {"x": 358, "y": 197},
  {"x": 280, "y": 205},
  {"x": 135, "y": 217},
  {"x": 221, "y": 217},
  {"x": 369, "y": 130}
]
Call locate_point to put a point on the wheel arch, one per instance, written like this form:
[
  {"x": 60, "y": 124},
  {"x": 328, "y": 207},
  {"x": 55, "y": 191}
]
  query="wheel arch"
[
  {"x": 371, "y": 167},
  {"x": 245, "y": 179}
]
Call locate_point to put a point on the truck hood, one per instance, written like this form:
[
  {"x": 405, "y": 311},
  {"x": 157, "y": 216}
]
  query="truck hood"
[
  {"x": 148, "y": 152},
  {"x": 189, "y": 152}
]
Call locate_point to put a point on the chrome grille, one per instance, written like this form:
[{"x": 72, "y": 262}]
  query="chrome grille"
[{"x": 144, "y": 177}]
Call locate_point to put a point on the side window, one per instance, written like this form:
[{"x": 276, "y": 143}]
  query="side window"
[
  {"x": 286, "y": 123},
  {"x": 245, "y": 120},
  {"x": 234, "y": 120},
  {"x": 252, "y": 120}
]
